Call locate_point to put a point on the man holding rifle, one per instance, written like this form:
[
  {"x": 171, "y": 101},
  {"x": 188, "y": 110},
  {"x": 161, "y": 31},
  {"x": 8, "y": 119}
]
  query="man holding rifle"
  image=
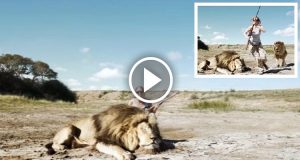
[
  {"x": 253, "y": 34},
  {"x": 137, "y": 103},
  {"x": 148, "y": 107}
]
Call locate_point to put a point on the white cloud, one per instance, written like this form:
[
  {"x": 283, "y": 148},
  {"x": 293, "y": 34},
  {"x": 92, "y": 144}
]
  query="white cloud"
[
  {"x": 110, "y": 64},
  {"x": 219, "y": 36},
  {"x": 107, "y": 87},
  {"x": 60, "y": 69},
  {"x": 92, "y": 88},
  {"x": 73, "y": 82},
  {"x": 85, "y": 50},
  {"x": 289, "y": 13},
  {"x": 207, "y": 27},
  {"x": 286, "y": 32},
  {"x": 215, "y": 42},
  {"x": 174, "y": 56},
  {"x": 77, "y": 89},
  {"x": 206, "y": 41},
  {"x": 107, "y": 73}
]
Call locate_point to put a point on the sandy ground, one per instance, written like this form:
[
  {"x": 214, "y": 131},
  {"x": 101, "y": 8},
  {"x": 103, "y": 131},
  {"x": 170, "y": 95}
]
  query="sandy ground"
[
  {"x": 261, "y": 126},
  {"x": 250, "y": 60}
]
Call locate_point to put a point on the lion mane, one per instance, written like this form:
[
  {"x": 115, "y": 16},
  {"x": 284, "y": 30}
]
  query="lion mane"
[
  {"x": 118, "y": 130},
  {"x": 280, "y": 53},
  {"x": 226, "y": 62}
]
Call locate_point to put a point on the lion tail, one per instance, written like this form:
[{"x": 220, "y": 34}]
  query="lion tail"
[{"x": 50, "y": 150}]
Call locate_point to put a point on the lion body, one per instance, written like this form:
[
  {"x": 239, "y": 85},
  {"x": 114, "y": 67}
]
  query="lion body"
[
  {"x": 115, "y": 131},
  {"x": 226, "y": 62},
  {"x": 280, "y": 53}
]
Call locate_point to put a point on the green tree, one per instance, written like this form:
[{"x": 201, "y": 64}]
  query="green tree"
[
  {"x": 15, "y": 64},
  {"x": 42, "y": 71}
]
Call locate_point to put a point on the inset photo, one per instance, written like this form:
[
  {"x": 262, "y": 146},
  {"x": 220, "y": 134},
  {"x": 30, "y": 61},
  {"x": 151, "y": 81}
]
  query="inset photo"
[{"x": 246, "y": 40}]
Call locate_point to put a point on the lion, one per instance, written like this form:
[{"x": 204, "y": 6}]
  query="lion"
[
  {"x": 227, "y": 62},
  {"x": 117, "y": 131},
  {"x": 280, "y": 53}
]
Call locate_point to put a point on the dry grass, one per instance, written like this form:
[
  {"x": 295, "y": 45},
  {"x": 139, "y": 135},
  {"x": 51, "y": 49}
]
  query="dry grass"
[
  {"x": 194, "y": 96},
  {"x": 19, "y": 103},
  {"x": 267, "y": 100},
  {"x": 125, "y": 95},
  {"x": 287, "y": 95},
  {"x": 216, "y": 105}
]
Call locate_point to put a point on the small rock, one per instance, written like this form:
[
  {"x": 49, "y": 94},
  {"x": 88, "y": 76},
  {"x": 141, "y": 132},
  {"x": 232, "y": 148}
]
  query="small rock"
[
  {"x": 212, "y": 143},
  {"x": 66, "y": 156}
]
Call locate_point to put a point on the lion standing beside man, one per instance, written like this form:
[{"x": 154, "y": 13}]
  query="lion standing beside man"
[{"x": 280, "y": 53}]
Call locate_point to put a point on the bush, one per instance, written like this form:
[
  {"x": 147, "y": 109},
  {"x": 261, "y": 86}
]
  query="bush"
[
  {"x": 232, "y": 90},
  {"x": 226, "y": 98},
  {"x": 212, "y": 105},
  {"x": 194, "y": 96},
  {"x": 124, "y": 95},
  {"x": 50, "y": 90},
  {"x": 55, "y": 90},
  {"x": 9, "y": 84}
]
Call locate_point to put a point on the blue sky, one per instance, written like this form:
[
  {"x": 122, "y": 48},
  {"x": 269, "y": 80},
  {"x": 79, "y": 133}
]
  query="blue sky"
[
  {"x": 93, "y": 44},
  {"x": 226, "y": 24}
]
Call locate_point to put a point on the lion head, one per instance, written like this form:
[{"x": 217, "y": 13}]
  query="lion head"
[
  {"x": 237, "y": 65},
  {"x": 231, "y": 61},
  {"x": 147, "y": 138},
  {"x": 279, "y": 47},
  {"x": 129, "y": 127}
]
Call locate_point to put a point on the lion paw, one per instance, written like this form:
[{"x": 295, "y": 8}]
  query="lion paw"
[{"x": 128, "y": 156}]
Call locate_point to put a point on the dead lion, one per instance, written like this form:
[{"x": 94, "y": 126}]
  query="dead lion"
[
  {"x": 118, "y": 131},
  {"x": 280, "y": 53},
  {"x": 227, "y": 62}
]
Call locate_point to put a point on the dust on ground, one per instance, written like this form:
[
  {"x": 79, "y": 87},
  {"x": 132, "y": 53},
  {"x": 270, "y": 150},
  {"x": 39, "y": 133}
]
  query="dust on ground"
[{"x": 261, "y": 125}]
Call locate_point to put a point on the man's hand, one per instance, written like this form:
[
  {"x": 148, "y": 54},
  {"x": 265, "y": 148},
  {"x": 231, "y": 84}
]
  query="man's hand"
[
  {"x": 261, "y": 28},
  {"x": 153, "y": 108}
]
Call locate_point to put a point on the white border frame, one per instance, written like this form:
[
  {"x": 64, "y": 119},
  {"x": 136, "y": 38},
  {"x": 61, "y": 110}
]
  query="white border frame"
[{"x": 292, "y": 4}]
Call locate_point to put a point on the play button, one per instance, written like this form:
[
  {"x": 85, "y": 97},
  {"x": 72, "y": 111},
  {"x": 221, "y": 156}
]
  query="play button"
[
  {"x": 154, "y": 76},
  {"x": 150, "y": 80}
]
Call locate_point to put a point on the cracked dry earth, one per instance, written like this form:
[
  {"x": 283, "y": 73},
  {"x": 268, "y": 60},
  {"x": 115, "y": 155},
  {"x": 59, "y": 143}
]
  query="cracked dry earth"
[{"x": 233, "y": 135}]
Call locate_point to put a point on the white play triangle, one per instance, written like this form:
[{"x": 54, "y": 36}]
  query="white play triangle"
[{"x": 150, "y": 80}]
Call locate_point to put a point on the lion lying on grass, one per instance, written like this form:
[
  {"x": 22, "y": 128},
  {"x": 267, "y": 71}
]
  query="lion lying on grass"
[
  {"x": 227, "y": 62},
  {"x": 118, "y": 131}
]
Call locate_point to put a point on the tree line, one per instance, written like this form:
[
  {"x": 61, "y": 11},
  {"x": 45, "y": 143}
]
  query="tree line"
[{"x": 34, "y": 79}]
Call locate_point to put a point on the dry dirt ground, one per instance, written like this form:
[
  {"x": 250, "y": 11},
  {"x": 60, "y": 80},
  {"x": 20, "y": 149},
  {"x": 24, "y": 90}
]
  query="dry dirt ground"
[
  {"x": 259, "y": 125},
  {"x": 249, "y": 59}
]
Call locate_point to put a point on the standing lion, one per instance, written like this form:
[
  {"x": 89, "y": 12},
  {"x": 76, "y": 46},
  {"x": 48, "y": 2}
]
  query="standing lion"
[
  {"x": 118, "y": 131},
  {"x": 280, "y": 53}
]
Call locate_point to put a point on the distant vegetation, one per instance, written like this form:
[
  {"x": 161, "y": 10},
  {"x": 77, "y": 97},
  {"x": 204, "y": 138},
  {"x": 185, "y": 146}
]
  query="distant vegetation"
[
  {"x": 33, "y": 79},
  {"x": 216, "y": 105}
]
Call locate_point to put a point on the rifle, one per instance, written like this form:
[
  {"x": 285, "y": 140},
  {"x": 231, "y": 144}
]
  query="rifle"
[
  {"x": 251, "y": 29},
  {"x": 155, "y": 108}
]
